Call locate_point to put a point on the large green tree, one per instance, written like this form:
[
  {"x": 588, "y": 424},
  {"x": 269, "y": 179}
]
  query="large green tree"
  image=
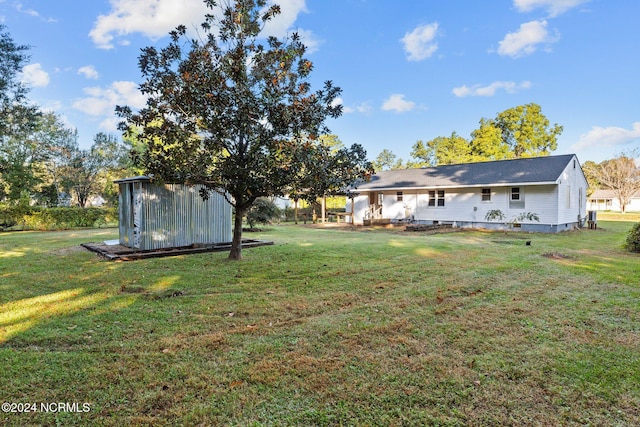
[
  {"x": 487, "y": 143},
  {"x": 228, "y": 109},
  {"x": 327, "y": 168},
  {"x": 521, "y": 131},
  {"x": 32, "y": 151},
  {"x": 590, "y": 169},
  {"x": 527, "y": 131},
  {"x": 17, "y": 120},
  {"x": 387, "y": 160},
  {"x": 84, "y": 168},
  {"x": 442, "y": 150},
  {"x": 12, "y": 58}
]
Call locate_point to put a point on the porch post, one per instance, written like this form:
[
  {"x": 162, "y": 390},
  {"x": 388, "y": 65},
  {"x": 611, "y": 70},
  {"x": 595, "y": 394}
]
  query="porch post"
[{"x": 353, "y": 210}]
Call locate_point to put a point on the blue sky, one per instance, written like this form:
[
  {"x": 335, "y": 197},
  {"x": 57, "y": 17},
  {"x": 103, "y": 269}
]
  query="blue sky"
[{"x": 410, "y": 69}]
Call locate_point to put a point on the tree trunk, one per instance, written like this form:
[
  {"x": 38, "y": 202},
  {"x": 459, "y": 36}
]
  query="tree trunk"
[
  {"x": 236, "y": 244},
  {"x": 82, "y": 200}
]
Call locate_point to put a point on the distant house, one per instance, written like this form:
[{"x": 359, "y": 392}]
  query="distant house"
[
  {"x": 606, "y": 200},
  {"x": 64, "y": 199},
  {"x": 553, "y": 187},
  {"x": 155, "y": 216},
  {"x": 96, "y": 201}
]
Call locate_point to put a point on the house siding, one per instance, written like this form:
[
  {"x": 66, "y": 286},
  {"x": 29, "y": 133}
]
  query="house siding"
[
  {"x": 558, "y": 200},
  {"x": 464, "y": 204},
  {"x": 572, "y": 189}
]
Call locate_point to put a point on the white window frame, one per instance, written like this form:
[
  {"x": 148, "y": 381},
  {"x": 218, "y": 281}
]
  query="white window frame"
[
  {"x": 516, "y": 202},
  {"x": 436, "y": 199}
]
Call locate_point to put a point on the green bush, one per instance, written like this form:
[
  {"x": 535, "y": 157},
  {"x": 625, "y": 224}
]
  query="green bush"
[
  {"x": 12, "y": 215},
  {"x": 36, "y": 218},
  {"x": 633, "y": 239},
  {"x": 263, "y": 212}
]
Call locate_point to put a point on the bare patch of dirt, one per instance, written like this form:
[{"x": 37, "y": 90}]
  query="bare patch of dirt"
[
  {"x": 68, "y": 250},
  {"x": 556, "y": 255}
]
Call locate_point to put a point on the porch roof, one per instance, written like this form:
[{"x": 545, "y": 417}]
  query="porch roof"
[{"x": 610, "y": 194}]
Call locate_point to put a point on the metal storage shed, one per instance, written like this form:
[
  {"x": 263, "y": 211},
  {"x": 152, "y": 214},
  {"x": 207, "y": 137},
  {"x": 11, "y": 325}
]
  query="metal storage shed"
[{"x": 156, "y": 216}]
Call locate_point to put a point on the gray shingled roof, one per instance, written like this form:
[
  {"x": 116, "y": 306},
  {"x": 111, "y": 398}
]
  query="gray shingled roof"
[{"x": 538, "y": 170}]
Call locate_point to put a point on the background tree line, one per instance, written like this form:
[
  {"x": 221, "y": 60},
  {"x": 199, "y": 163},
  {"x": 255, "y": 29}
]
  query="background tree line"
[
  {"x": 518, "y": 132},
  {"x": 620, "y": 174},
  {"x": 41, "y": 161}
]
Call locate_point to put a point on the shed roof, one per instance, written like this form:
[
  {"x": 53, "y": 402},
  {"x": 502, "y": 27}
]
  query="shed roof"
[
  {"x": 532, "y": 171},
  {"x": 140, "y": 178}
]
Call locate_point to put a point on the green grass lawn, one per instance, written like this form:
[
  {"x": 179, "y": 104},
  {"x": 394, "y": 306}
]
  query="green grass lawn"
[{"x": 327, "y": 327}]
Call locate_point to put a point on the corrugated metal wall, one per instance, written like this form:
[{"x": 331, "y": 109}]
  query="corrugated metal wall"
[
  {"x": 125, "y": 214},
  {"x": 171, "y": 215}
]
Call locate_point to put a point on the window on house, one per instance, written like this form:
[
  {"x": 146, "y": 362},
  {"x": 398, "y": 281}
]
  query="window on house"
[
  {"x": 516, "y": 201},
  {"x": 380, "y": 199},
  {"x": 486, "y": 194},
  {"x": 515, "y": 193},
  {"x": 436, "y": 198},
  {"x": 399, "y": 196},
  {"x": 568, "y": 197}
]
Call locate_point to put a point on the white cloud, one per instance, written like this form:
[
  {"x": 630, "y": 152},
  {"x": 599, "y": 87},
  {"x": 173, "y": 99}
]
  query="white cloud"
[
  {"x": 419, "y": 43},
  {"x": 89, "y": 72},
  {"x": 155, "y": 18},
  {"x": 34, "y": 75},
  {"x": 31, "y": 12},
  {"x": 554, "y": 7},
  {"x": 361, "y": 108},
  {"x": 611, "y": 136},
  {"x": 365, "y": 107},
  {"x": 52, "y": 107},
  {"x": 396, "y": 102},
  {"x": 101, "y": 102},
  {"x": 525, "y": 41},
  {"x": 110, "y": 124},
  {"x": 281, "y": 24},
  {"x": 310, "y": 40},
  {"x": 478, "y": 90},
  {"x": 152, "y": 18}
]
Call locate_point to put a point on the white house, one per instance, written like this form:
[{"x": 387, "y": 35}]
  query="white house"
[
  {"x": 552, "y": 187},
  {"x": 606, "y": 200}
]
